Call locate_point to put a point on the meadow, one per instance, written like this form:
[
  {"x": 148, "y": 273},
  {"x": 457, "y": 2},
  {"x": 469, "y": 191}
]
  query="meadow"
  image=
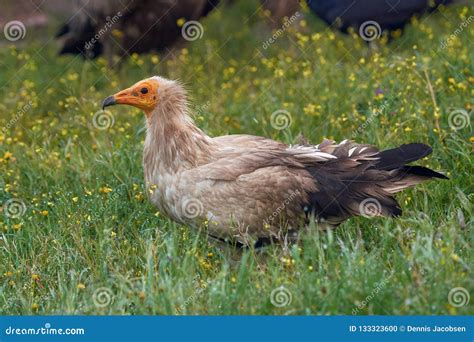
[{"x": 78, "y": 235}]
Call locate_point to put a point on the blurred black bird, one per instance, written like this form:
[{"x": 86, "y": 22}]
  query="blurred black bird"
[
  {"x": 124, "y": 27},
  {"x": 390, "y": 15}
]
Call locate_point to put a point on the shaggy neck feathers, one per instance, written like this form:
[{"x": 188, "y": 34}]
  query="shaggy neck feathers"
[{"x": 173, "y": 141}]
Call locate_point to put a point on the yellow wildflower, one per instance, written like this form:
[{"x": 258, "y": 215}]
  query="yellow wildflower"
[{"x": 105, "y": 190}]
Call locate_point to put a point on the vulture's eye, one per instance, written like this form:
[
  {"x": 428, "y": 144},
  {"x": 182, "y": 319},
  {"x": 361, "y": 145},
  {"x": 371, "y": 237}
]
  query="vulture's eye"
[{"x": 144, "y": 90}]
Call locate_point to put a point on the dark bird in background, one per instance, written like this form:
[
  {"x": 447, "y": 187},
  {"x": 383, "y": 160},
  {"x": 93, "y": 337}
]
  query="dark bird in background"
[
  {"x": 388, "y": 14},
  {"x": 124, "y": 27},
  {"x": 120, "y": 28}
]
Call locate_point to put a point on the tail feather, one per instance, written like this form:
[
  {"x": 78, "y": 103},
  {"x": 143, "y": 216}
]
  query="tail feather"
[
  {"x": 398, "y": 157},
  {"x": 408, "y": 176},
  {"x": 353, "y": 182},
  {"x": 423, "y": 172}
]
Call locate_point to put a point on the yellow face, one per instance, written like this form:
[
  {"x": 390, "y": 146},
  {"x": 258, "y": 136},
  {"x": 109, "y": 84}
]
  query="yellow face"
[{"x": 143, "y": 95}]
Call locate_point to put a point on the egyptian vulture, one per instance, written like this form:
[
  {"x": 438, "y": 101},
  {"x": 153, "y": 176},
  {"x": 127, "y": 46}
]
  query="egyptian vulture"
[{"x": 253, "y": 190}]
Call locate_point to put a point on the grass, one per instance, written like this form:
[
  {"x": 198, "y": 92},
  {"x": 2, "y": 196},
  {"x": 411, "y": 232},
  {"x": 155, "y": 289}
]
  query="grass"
[{"x": 90, "y": 243}]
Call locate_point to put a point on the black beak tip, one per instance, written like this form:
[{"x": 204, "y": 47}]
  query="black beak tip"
[{"x": 109, "y": 101}]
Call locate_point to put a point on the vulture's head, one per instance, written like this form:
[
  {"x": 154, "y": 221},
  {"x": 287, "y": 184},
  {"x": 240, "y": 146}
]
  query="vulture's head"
[{"x": 154, "y": 94}]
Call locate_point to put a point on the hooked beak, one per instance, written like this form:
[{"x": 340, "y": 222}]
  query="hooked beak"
[
  {"x": 127, "y": 96},
  {"x": 109, "y": 101}
]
